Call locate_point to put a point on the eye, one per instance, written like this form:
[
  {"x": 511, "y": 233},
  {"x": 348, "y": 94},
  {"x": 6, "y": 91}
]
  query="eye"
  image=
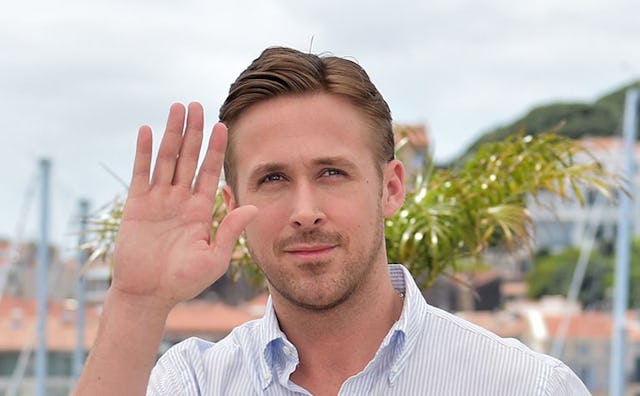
[
  {"x": 273, "y": 177},
  {"x": 332, "y": 172}
]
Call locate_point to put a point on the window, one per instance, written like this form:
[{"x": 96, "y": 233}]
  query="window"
[
  {"x": 8, "y": 361},
  {"x": 59, "y": 364}
]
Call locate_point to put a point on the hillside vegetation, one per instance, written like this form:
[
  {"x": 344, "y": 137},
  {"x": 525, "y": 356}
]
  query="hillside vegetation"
[{"x": 603, "y": 117}]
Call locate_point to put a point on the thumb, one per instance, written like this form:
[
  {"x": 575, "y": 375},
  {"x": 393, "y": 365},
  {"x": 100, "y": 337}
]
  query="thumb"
[{"x": 230, "y": 229}]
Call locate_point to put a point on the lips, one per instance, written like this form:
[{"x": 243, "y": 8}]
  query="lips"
[
  {"x": 315, "y": 244},
  {"x": 310, "y": 251}
]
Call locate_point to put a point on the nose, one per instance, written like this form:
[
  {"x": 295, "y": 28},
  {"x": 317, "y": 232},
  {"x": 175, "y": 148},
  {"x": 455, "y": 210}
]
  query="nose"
[{"x": 305, "y": 208}]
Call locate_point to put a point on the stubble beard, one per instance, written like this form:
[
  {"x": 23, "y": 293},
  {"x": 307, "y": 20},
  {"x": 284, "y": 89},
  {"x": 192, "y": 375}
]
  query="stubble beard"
[{"x": 353, "y": 273}]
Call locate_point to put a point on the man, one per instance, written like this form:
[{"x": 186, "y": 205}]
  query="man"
[{"x": 310, "y": 179}]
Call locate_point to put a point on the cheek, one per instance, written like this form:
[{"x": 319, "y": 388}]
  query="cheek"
[
  {"x": 358, "y": 212},
  {"x": 271, "y": 218}
]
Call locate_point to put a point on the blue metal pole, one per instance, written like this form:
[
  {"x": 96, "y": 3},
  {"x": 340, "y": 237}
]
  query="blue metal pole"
[
  {"x": 78, "y": 356},
  {"x": 623, "y": 252},
  {"x": 42, "y": 277}
]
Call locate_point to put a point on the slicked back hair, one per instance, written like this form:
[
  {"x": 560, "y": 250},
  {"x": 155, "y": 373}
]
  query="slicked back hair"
[{"x": 283, "y": 71}]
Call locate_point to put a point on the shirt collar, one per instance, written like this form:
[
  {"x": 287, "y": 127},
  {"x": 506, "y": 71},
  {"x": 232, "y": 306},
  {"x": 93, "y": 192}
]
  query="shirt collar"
[
  {"x": 270, "y": 341},
  {"x": 401, "y": 338},
  {"x": 411, "y": 318}
]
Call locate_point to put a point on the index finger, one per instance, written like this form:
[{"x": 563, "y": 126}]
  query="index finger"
[
  {"x": 142, "y": 162},
  {"x": 209, "y": 174}
]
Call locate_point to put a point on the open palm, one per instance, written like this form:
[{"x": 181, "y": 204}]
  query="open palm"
[{"x": 163, "y": 249}]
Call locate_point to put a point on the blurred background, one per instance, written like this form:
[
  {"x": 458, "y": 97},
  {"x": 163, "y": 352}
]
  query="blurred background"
[{"x": 77, "y": 79}]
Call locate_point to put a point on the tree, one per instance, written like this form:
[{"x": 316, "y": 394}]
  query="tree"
[
  {"x": 600, "y": 118},
  {"x": 552, "y": 274}
]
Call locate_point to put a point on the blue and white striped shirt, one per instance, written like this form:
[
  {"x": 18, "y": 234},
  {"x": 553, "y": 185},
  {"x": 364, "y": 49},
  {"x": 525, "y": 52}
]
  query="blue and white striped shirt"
[{"x": 427, "y": 352}]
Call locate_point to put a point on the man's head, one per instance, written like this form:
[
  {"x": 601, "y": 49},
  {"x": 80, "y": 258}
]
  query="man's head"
[
  {"x": 286, "y": 72},
  {"x": 311, "y": 146}
]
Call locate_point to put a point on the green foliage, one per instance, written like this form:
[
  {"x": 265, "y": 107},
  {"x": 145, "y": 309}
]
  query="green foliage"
[
  {"x": 104, "y": 230},
  {"x": 600, "y": 118},
  {"x": 451, "y": 215},
  {"x": 577, "y": 120},
  {"x": 552, "y": 273},
  {"x": 616, "y": 98}
]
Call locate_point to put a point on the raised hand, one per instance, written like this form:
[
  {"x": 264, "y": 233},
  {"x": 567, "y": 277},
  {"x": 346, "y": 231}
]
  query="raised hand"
[{"x": 164, "y": 253}]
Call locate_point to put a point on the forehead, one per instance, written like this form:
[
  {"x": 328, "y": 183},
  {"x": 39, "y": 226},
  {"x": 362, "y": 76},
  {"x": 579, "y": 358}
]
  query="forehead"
[{"x": 293, "y": 128}]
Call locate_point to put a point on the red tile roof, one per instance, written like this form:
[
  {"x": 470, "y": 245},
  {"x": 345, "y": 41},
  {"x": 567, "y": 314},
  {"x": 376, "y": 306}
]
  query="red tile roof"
[
  {"x": 18, "y": 321},
  {"x": 584, "y": 325},
  {"x": 203, "y": 317},
  {"x": 604, "y": 144},
  {"x": 592, "y": 325},
  {"x": 503, "y": 324}
]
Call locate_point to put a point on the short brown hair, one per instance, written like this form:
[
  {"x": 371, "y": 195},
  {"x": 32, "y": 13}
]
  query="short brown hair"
[{"x": 283, "y": 71}]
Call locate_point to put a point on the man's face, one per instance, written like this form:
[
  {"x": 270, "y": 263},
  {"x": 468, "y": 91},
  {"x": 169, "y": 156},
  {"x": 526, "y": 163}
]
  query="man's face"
[{"x": 306, "y": 163}]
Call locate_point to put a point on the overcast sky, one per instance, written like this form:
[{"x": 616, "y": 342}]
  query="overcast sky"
[{"x": 77, "y": 78}]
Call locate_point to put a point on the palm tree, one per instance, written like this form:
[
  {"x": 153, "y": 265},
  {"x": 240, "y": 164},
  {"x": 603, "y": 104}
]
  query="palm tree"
[{"x": 451, "y": 215}]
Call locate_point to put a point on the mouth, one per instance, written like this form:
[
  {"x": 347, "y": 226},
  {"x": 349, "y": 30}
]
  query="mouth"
[{"x": 310, "y": 252}]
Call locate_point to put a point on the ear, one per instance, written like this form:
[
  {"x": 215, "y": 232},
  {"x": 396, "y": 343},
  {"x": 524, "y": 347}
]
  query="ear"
[
  {"x": 229, "y": 198},
  {"x": 392, "y": 188}
]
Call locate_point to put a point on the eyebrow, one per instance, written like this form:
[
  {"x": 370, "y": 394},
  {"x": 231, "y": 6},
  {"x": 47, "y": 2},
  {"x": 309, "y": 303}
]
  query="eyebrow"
[{"x": 265, "y": 169}]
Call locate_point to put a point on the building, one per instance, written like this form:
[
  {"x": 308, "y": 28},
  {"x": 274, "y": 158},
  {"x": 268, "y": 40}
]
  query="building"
[
  {"x": 206, "y": 319},
  {"x": 561, "y": 223},
  {"x": 17, "y": 338},
  {"x": 412, "y": 147},
  {"x": 19, "y": 266}
]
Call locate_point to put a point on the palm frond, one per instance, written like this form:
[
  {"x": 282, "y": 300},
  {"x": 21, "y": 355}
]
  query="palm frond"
[{"x": 450, "y": 215}]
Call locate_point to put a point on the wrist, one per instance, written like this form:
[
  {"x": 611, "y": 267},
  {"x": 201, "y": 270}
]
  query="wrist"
[
  {"x": 126, "y": 347},
  {"x": 148, "y": 309}
]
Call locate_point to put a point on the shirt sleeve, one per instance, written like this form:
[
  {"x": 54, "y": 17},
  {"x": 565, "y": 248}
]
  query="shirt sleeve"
[
  {"x": 564, "y": 382},
  {"x": 175, "y": 373}
]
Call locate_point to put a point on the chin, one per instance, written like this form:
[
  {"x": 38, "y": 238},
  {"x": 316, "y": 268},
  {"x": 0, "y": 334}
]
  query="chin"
[
  {"x": 319, "y": 307},
  {"x": 320, "y": 302}
]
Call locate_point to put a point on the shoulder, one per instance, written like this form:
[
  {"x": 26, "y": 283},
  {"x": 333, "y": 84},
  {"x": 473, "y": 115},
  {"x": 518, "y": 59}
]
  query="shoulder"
[
  {"x": 463, "y": 351},
  {"x": 455, "y": 329},
  {"x": 196, "y": 364},
  {"x": 196, "y": 351}
]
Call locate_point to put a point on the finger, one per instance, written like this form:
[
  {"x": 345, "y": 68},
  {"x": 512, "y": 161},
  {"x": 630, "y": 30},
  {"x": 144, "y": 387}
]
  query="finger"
[
  {"x": 170, "y": 146},
  {"x": 142, "y": 162},
  {"x": 190, "y": 149},
  {"x": 230, "y": 229},
  {"x": 209, "y": 174}
]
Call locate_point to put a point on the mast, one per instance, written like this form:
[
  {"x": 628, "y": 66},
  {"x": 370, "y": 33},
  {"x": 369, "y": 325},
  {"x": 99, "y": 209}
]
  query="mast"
[
  {"x": 623, "y": 251},
  {"x": 42, "y": 289}
]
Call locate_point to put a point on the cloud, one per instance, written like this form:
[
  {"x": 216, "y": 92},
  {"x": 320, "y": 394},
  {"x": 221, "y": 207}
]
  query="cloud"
[{"x": 78, "y": 78}]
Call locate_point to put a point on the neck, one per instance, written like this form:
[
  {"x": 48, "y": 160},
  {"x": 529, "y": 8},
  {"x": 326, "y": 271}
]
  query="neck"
[{"x": 339, "y": 342}]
